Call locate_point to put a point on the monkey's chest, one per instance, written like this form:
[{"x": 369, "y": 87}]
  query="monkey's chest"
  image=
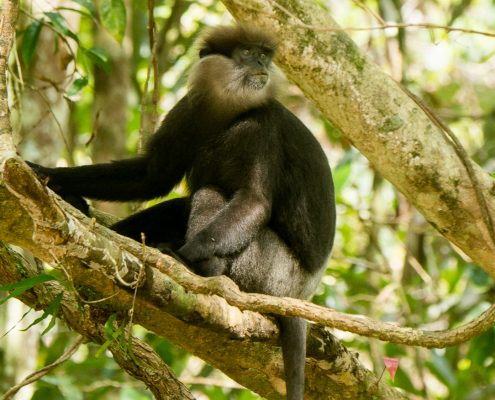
[{"x": 223, "y": 164}]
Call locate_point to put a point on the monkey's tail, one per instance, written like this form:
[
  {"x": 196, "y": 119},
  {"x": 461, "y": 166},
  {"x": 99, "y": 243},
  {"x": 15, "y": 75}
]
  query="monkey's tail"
[{"x": 293, "y": 337}]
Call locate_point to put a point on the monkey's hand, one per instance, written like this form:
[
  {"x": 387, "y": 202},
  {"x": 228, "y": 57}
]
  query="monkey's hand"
[
  {"x": 203, "y": 264},
  {"x": 39, "y": 170},
  {"x": 199, "y": 248},
  {"x": 44, "y": 174}
]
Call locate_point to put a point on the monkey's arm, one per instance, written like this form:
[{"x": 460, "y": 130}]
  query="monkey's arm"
[
  {"x": 233, "y": 228},
  {"x": 168, "y": 155},
  {"x": 123, "y": 180}
]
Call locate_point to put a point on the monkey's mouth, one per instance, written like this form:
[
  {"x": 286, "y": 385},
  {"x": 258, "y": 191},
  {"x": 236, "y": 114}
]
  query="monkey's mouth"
[{"x": 257, "y": 80}]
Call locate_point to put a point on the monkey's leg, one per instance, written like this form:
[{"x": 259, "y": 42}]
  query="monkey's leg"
[
  {"x": 268, "y": 266},
  {"x": 163, "y": 225}
]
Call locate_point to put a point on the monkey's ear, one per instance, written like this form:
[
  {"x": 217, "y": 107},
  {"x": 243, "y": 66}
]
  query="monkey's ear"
[{"x": 205, "y": 51}]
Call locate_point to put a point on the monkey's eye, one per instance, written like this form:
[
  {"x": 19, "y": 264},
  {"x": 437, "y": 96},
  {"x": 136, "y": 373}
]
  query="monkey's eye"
[
  {"x": 246, "y": 52},
  {"x": 263, "y": 56}
]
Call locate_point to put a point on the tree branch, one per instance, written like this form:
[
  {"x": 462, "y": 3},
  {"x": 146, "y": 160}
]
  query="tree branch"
[
  {"x": 123, "y": 262},
  {"x": 44, "y": 371},
  {"x": 245, "y": 342},
  {"x": 89, "y": 322}
]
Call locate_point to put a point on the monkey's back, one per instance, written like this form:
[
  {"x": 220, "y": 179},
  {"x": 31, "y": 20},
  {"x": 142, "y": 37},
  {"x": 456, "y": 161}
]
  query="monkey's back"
[{"x": 305, "y": 218}]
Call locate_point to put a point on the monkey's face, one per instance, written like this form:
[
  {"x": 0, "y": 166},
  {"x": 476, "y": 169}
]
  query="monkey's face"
[
  {"x": 233, "y": 73},
  {"x": 254, "y": 62},
  {"x": 238, "y": 81}
]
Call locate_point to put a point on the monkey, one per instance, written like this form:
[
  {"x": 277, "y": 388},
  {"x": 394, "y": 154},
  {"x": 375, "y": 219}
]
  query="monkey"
[{"x": 261, "y": 206}]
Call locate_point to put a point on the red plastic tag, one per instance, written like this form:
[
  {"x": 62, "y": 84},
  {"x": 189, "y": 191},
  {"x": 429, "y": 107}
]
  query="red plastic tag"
[{"x": 391, "y": 364}]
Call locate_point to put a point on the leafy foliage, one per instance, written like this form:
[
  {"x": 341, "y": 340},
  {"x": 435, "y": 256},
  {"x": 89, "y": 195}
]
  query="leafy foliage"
[
  {"x": 114, "y": 17},
  {"x": 18, "y": 288}
]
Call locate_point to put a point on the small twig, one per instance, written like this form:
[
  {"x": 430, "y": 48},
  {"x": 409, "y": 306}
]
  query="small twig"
[
  {"x": 67, "y": 274},
  {"x": 369, "y": 11},
  {"x": 18, "y": 63},
  {"x": 374, "y": 385},
  {"x": 358, "y": 324},
  {"x": 154, "y": 61},
  {"x": 152, "y": 66},
  {"x": 385, "y": 25},
  {"x": 140, "y": 277},
  {"x": 461, "y": 152},
  {"x": 44, "y": 371}
]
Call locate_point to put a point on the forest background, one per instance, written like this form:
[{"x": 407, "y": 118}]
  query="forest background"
[{"x": 85, "y": 87}]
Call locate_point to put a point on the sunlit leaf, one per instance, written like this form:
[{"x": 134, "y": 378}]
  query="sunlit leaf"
[
  {"x": 114, "y": 17},
  {"x": 340, "y": 176},
  {"x": 87, "y": 4},
  {"x": 100, "y": 57},
  {"x": 60, "y": 24},
  {"x": 342, "y": 172},
  {"x": 29, "y": 41},
  {"x": 17, "y": 288}
]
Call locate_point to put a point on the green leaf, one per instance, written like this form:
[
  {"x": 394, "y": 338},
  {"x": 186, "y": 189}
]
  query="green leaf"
[
  {"x": 114, "y": 18},
  {"x": 52, "y": 309},
  {"x": 103, "y": 348},
  {"x": 50, "y": 325},
  {"x": 29, "y": 41},
  {"x": 60, "y": 25},
  {"x": 18, "y": 288},
  {"x": 110, "y": 333},
  {"x": 341, "y": 175},
  {"x": 58, "y": 21},
  {"x": 78, "y": 85},
  {"x": 87, "y": 4},
  {"x": 100, "y": 57},
  {"x": 342, "y": 171},
  {"x": 18, "y": 322}
]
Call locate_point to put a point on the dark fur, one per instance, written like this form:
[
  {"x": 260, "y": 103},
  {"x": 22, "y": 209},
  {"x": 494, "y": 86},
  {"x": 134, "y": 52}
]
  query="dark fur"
[{"x": 261, "y": 208}]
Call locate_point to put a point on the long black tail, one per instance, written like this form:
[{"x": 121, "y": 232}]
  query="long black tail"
[{"x": 293, "y": 336}]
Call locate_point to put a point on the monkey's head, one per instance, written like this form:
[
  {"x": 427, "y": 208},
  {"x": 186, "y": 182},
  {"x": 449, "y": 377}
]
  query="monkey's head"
[{"x": 234, "y": 69}]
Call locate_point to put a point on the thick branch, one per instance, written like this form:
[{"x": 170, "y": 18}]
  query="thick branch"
[
  {"x": 97, "y": 260},
  {"x": 97, "y": 249},
  {"x": 386, "y": 124},
  {"x": 89, "y": 321}
]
